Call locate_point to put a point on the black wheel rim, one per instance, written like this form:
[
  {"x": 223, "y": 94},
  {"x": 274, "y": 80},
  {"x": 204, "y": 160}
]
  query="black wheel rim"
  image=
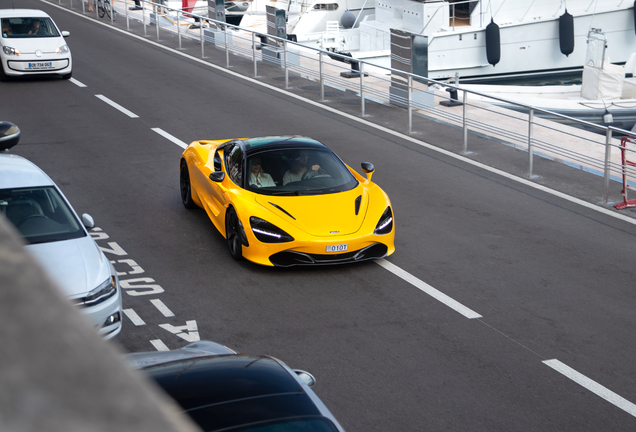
[
  {"x": 185, "y": 183},
  {"x": 232, "y": 234}
]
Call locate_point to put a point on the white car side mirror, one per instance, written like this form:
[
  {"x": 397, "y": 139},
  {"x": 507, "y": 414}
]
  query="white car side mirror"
[
  {"x": 306, "y": 377},
  {"x": 88, "y": 221}
]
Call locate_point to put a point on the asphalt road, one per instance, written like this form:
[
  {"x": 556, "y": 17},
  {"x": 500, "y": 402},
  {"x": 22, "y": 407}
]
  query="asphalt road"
[{"x": 541, "y": 334}]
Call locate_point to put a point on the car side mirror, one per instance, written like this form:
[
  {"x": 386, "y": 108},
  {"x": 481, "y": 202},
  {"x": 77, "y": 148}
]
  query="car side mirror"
[
  {"x": 368, "y": 169},
  {"x": 88, "y": 221},
  {"x": 9, "y": 135},
  {"x": 66, "y": 33},
  {"x": 217, "y": 176},
  {"x": 306, "y": 377}
]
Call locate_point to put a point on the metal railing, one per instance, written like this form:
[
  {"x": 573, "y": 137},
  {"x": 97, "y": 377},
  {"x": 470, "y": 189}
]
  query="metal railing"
[{"x": 536, "y": 131}]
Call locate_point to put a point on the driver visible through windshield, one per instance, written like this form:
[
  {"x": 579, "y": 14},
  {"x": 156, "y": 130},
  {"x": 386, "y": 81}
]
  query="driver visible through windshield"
[
  {"x": 28, "y": 27},
  {"x": 298, "y": 172}
]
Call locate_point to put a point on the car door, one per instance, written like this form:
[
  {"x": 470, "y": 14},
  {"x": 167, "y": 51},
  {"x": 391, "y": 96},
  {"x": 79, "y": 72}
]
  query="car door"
[{"x": 216, "y": 197}]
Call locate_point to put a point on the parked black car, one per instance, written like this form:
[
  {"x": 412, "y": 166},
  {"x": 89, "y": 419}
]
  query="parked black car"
[{"x": 225, "y": 391}]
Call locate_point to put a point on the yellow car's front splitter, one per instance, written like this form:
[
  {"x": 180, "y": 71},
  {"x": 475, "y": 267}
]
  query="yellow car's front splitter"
[{"x": 336, "y": 250}]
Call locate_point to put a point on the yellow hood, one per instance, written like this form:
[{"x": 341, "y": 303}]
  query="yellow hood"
[{"x": 320, "y": 215}]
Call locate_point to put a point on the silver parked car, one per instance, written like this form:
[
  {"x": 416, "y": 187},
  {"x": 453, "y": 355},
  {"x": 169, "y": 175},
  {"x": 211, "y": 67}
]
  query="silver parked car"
[{"x": 32, "y": 202}]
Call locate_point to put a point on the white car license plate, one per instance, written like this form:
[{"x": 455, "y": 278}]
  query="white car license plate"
[
  {"x": 337, "y": 248},
  {"x": 41, "y": 65}
]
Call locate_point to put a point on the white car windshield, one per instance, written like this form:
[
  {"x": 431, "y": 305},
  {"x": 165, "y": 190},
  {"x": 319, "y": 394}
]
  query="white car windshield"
[
  {"x": 40, "y": 214},
  {"x": 36, "y": 27}
]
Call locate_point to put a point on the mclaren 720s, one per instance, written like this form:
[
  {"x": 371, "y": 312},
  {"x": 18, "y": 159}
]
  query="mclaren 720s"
[{"x": 287, "y": 200}]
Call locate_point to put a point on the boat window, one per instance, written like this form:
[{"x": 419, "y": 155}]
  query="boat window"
[
  {"x": 326, "y": 6},
  {"x": 234, "y": 163}
]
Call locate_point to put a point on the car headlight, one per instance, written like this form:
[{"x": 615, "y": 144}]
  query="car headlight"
[
  {"x": 385, "y": 225},
  {"x": 11, "y": 51},
  {"x": 62, "y": 50},
  {"x": 104, "y": 291},
  {"x": 267, "y": 232}
]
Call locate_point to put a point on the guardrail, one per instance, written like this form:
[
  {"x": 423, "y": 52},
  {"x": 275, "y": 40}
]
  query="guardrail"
[{"x": 533, "y": 130}]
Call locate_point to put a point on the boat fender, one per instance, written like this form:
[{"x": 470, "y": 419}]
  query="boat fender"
[
  {"x": 348, "y": 19},
  {"x": 493, "y": 46},
  {"x": 566, "y": 33}
]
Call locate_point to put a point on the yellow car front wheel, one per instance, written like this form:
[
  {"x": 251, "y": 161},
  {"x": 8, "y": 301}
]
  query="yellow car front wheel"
[
  {"x": 233, "y": 234},
  {"x": 186, "y": 187}
]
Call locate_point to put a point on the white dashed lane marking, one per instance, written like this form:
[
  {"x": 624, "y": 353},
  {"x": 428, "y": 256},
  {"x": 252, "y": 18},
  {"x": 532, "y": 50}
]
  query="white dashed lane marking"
[
  {"x": 167, "y": 136},
  {"x": 436, "y": 294},
  {"x": 77, "y": 83},
  {"x": 117, "y": 106},
  {"x": 592, "y": 386}
]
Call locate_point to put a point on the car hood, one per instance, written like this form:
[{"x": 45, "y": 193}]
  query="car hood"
[
  {"x": 320, "y": 215},
  {"x": 47, "y": 45},
  {"x": 76, "y": 266}
]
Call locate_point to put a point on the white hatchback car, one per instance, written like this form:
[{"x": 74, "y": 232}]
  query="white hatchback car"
[
  {"x": 31, "y": 44},
  {"x": 60, "y": 242}
]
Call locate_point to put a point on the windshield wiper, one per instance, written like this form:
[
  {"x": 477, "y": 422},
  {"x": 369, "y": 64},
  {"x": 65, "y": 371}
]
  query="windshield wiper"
[{"x": 290, "y": 193}]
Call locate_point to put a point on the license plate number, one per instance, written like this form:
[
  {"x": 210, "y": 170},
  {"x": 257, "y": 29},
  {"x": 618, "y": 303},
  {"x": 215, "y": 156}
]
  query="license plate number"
[
  {"x": 41, "y": 65},
  {"x": 337, "y": 248}
]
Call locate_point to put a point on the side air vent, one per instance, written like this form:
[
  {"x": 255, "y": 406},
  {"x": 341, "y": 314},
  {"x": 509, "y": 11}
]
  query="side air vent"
[
  {"x": 358, "y": 201},
  {"x": 284, "y": 211}
]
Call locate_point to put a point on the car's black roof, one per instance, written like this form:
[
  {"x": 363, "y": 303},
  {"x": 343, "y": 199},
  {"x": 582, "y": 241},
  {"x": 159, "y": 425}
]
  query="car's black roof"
[
  {"x": 228, "y": 390},
  {"x": 252, "y": 145}
]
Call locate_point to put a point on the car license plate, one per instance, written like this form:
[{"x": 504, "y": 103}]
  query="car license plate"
[
  {"x": 337, "y": 248},
  {"x": 41, "y": 65}
]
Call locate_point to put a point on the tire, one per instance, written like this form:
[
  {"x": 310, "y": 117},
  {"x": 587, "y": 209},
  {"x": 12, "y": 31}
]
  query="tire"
[
  {"x": 233, "y": 235},
  {"x": 185, "y": 186},
  {"x": 100, "y": 11},
  {"x": 68, "y": 75},
  {"x": 3, "y": 76}
]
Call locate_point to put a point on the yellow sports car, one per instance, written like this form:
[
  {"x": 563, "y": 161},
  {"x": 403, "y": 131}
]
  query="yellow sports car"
[{"x": 287, "y": 200}]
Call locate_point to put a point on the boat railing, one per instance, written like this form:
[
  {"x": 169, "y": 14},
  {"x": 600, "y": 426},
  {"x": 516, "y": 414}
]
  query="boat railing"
[{"x": 536, "y": 133}]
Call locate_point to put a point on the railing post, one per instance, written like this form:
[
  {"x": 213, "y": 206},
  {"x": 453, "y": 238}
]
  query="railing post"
[
  {"x": 321, "y": 77},
  {"x": 254, "y": 54},
  {"x": 409, "y": 108},
  {"x": 143, "y": 16},
  {"x": 530, "y": 149},
  {"x": 606, "y": 171},
  {"x": 285, "y": 65},
  {"x": 202, "y": 40},
  {"x": 227, "y": 48},
  {"x": 157, "y": 21},
  {"x": 465, "y": 123},
  {"x": 126, "y": 11},
  {"x": 361, "y": 67},
  {"x": 179, "y": 28},
  {"x": 112, "y": 12}
]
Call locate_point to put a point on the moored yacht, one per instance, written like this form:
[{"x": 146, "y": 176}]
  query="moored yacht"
[{"x": 479, "y": 40}]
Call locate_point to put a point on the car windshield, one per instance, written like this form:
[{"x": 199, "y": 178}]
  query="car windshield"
[
  {"x": 297, "y": 172},
  {"x": 36, "y": 27},
  {"x": 40, "y": 214}
]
